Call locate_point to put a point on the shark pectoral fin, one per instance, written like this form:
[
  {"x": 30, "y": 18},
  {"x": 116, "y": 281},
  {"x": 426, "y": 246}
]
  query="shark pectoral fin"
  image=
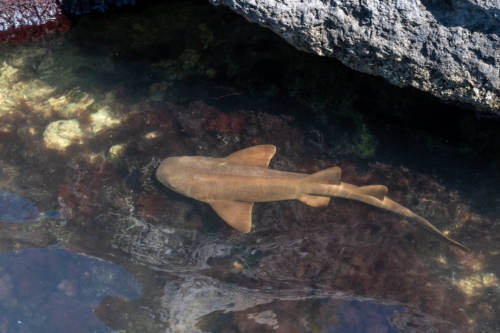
[
  {"x": 315, "y": 201},
  {"x": 237, "y": 214},
  {"x": 330, "y": 176},
  {"x": 376, "y": 191},
  {"x": 257, "y": 156}
]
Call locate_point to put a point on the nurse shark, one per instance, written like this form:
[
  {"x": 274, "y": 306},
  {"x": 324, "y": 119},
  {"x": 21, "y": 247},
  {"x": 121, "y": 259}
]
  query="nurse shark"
[{"x": 231, "y": 185}]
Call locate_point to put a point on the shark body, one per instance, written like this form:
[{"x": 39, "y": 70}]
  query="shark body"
[{"x": 232, "y": 184}]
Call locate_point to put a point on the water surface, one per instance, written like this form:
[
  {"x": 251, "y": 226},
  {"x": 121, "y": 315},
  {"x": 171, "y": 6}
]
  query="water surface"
[{"x": 86, "y": 118}]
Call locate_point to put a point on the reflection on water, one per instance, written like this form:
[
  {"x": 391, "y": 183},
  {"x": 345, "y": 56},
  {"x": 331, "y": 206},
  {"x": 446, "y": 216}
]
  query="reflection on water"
[
  {"x": 216, "y": 307},
  {"x": 86, "y": 118},
  {"x": 324, "y": 315},
  {"x": 44, "y": 290}
]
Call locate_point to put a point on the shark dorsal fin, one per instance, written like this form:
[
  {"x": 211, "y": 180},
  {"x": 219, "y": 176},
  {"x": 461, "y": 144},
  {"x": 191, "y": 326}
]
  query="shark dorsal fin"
[
  {"x": 259, "y": 156},
  {"x": 330, "y": 176},
  {"x": 237, "y": 214},
  {"x": 376, "y": 191}
]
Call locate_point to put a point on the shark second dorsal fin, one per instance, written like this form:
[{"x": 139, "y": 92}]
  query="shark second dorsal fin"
[
  {"x": 237, "y": 214},
  {"x": 376, "y": 191},
  {"x": 330, "y": 176},
  {"x": 257, "y": 156}
]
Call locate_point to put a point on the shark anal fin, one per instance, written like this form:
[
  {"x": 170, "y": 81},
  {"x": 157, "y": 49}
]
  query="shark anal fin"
[
  {"x": 376, "y": 191},
  {"x": 259, "y": 156},
  {"x": 237, "y": 214},
  {"x": 315, "y": 201},
  {"x": 330, "y": 176}
]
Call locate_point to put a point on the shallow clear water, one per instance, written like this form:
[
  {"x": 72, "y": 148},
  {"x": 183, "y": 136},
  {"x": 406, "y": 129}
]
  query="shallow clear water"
[
  {"x": 55, "y": 290},
  {"x": 86, "y": 118}
]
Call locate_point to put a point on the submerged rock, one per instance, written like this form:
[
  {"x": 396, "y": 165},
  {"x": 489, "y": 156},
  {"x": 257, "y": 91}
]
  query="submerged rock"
[
  {"x": 14, "y": 208},
  {"x": 22, "y": 20},
  {"x": 103, "y": 120},
  {"x": 450, "y": 49},
  {"x": 60, "y": 134},
  {"x": 116, "y": 152}
]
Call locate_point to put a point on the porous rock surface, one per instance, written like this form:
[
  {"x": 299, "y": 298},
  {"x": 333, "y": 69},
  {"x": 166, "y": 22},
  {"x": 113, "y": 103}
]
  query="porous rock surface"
[
  {"x": 22, "y": 20},
  {"x": 450, "y": 48}
]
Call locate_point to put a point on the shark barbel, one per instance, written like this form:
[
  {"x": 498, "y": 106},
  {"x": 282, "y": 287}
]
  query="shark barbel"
[{"x": 231, "y": 185}]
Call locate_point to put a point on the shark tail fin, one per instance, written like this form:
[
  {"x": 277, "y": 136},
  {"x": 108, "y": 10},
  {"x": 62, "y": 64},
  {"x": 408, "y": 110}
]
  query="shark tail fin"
[
  {"x": 376, "y": 191},
  {"x": 330, "y": 176}
]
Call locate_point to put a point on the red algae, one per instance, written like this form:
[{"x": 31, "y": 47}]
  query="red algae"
[
  {"x": 150, "y": 205},
  {"x": 158, "y": 119},
  {"x": 224, "y": 123},
  {"x": 79, "y": 193}
]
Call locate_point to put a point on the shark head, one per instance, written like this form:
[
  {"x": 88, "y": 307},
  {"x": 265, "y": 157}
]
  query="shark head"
[{"x": 168, "y": 168}]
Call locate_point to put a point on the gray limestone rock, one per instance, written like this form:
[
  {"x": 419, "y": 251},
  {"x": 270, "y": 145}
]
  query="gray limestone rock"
[{"x": 450, "y": 48}]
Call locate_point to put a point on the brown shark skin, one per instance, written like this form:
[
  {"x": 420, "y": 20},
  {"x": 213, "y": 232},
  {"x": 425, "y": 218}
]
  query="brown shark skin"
[{"x": 232, "y": 184}]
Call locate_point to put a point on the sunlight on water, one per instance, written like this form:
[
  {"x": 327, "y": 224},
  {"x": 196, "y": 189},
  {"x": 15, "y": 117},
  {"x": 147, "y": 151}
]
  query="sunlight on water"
[{"x": 91, "y": 241}]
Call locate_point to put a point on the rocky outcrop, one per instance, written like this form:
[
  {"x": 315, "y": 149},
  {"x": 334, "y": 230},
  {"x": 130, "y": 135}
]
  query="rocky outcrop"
[
  {"x": 30, "y": 19},
  {"x": 448, "y": 48},
  {"x": 22, "y": 20}
]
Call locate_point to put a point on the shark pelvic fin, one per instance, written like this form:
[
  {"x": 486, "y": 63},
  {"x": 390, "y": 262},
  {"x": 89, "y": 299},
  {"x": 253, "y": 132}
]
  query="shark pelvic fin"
[
  {"x": 315, "y": 201},
  {"x": 376, "y": 191},
  {"x": 259, "y": 156},
  {"x": 330, "y": 176},
  {"x": 237, "y": 214}
]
